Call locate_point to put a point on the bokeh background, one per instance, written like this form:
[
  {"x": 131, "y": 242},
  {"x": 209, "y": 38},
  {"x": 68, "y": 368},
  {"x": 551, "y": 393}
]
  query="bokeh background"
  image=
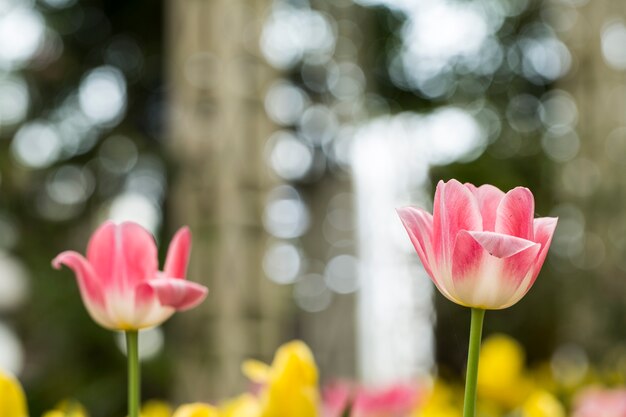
[{"x": 284, "y": 133}]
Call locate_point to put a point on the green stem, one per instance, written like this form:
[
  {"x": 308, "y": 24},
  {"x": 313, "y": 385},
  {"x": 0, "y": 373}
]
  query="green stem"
[
  {"x": 132, "y": 352},
  {"x": 476, "y": 331}
]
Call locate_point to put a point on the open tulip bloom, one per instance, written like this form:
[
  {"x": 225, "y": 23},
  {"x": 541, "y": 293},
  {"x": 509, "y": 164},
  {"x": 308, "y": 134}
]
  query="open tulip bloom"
[
  {"x": 483, "y": 249},
  {"x": 123, "y": 289}
]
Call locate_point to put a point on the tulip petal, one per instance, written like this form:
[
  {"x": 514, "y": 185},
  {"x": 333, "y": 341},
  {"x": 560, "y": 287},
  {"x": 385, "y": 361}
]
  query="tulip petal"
[
  {"x": 396, "y": 400},
  {"x": 517, "y": 266},
  {"x": 176, "y": 293},
  {"x": 499, "y": 245},
  {"x": 85, "y": 276},
  {"x": 88, "y": 284},
  {"x": 517, "y": 272},
  {"x": 467, "y": 258},
  {"x": 490, "y": 268},
  {"x": 489, "y": 198},
  {"x": 419, "y": 225},
  {"x": 519, "y": 254},
  {"x": 455, "y": 208},
  {"x": 178, "y": 254},
  {"x": 122, "y": 255},
  {"x": 544, "y": 230},
  {"x": 515, "y": 214}
]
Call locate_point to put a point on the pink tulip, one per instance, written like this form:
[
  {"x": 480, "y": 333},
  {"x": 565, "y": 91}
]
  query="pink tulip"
[
  {"x": 398, "y": 400},
  {"x": 120, "y": 283},
  {"x": 481, "y": 247},
  {"x": 395, "y": 401},
  {"x": 601, "y": 403},
  {"x": 336, "y": 398}
]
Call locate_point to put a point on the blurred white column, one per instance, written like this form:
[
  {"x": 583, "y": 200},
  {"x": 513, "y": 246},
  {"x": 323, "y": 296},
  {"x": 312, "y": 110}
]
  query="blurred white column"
[{"x": 395, "y": 308}]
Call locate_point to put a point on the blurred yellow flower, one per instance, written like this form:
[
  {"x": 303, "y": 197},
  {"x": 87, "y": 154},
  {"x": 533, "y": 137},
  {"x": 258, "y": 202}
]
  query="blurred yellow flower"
[
  {"x": 489, "y": 409},
  {"x": 246, "y": 405},
  {"x": 67, "y": 408},
  {"x": 501, "y": 375},
  {"x": 289, "y": 385},
  {"x": 155, "y": 408},
  {"x": 442, "y": 401},
  {"x": 196, "y": 410},
  {"x": 543, "y": 376},
  {"x": 438, "y": 410},
  {"x": 542, "y": 404},
  {"x": 12, "y": 399}
]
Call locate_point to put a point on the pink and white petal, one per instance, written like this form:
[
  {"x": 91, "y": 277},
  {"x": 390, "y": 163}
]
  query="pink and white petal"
[
  {"x": 468, "y": 257},
  {"x": 436, "y": 239},
  {"x": 148, "y": 311},
  {"x": 121, "y": 310},
  {"x": 145, "y": 296},
  {"x": 86, "y": 277},
  {"x": 493, "y": 284},
  {"x": 177, "y": 293},
  {"x": 513, "y": 277},
  {"x": 101, "y": 317},
  {"x": 521, "y": 291},
  {"x": 471, "y": 187},
  {"x": 128, "y": 315},
  {"x": 101, "y": 251},
  {"x": 515, "y": 214},
  {"x": 123, "y": 255},
  {"x": 455, "y": 209},
  {"x": 178, "y": 254},
  {"x": 528, "y": 281},
  {"x": 140, "y": 252},
  {"x": 89, "y": 286},
  {"x": 516, "y": 267},
  {"x": 156, "y": 316},
  {"x": 500, "y": 245},
  {"x": 544, "y": 230},
  {"x": 419, "y": 225},
  {"x": 517, "y": 255},
  {"x": 489, "y": 198}
]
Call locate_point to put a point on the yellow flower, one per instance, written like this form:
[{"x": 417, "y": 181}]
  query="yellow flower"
[
  {"x": 542, "y": 404},
  {"x": 12, "y": 399},
  {"x": 67, "y": 408},
  {"x": 290, "y": 384},
  {"x": 440, "y": 402},
  {"x": 439, "y": 410},
  {"x": 155, "y": 408},
  {"x": 196, "y": 410},
  {"x": 501, "y": 377},
  {"x": 245, "y": 405}
]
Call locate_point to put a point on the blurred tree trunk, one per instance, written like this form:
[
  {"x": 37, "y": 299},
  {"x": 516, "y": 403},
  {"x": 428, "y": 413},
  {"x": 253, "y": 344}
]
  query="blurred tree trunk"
[
  {"x": 331, "y": 333},
  {"x": 589, "y": 181},
  {"x": 218, "y": 129}
]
